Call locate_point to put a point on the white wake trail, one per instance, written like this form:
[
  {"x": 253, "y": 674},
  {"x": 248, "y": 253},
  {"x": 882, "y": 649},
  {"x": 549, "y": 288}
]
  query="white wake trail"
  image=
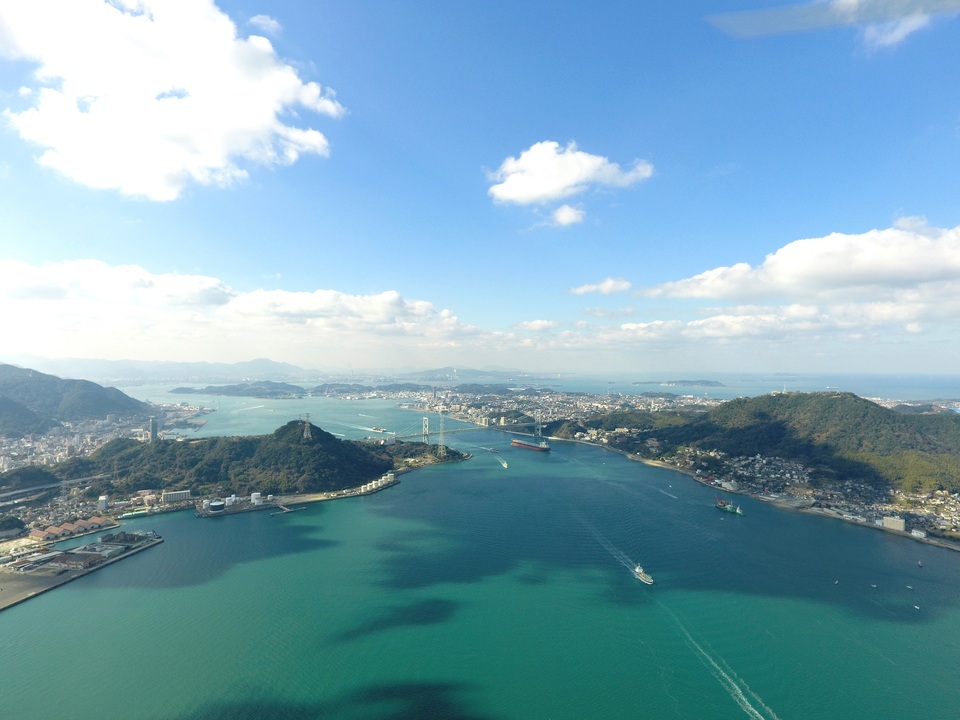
[{"x": 728, "y": 681}]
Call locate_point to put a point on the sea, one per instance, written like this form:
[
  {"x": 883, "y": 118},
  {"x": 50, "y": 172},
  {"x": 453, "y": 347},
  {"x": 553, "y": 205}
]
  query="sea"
[{"x": 495, "y": 588}]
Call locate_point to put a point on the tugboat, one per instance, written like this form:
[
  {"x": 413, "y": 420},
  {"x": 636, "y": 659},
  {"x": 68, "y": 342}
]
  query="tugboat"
[
  {"x": 644, "y": 577},
  {"x": 728, "y": 507}
]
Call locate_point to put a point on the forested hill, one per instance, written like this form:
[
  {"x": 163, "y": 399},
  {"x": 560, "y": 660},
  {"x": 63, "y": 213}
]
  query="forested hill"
[
  {"x": 843, "y": 421},
  {"x": 838, "y": 433},
  {"x": 281, "y": 462},
  {"x": 50, "y": 398}
]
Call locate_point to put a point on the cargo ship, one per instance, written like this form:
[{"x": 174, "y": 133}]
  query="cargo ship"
[{"x": 542, "y": 445}]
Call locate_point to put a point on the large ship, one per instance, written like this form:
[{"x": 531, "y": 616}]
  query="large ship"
[
  {"x": 639, "y": 574},
  {"x": 728, "y": 507},
  {"x": 542, "y": 445}
]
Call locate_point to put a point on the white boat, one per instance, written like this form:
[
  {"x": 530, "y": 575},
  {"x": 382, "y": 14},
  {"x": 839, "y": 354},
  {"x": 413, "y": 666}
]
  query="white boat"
[{"x": 642, "y": 576}]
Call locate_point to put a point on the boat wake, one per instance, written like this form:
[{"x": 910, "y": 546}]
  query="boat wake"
[
  {"x": 734, "y": 685},
  {"x": 667, "y": 494},
  {"x": 616, "y": 552}
]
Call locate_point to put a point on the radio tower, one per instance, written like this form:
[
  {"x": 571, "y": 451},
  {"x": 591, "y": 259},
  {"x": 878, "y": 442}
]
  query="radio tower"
[{"x": 306, "y": 428}]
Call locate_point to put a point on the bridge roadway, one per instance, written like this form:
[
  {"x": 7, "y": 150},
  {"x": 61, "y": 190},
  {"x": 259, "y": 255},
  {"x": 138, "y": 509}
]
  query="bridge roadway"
[{"x": 472, "y": 428}]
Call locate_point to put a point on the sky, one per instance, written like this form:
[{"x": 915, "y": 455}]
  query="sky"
[{"x": 577, "y": 187}]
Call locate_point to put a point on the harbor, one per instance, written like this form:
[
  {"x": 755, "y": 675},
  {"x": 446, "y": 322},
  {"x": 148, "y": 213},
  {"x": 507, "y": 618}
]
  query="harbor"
[
  {"x": 280, "y": 504},
  {"x": 53, "y": 568}
]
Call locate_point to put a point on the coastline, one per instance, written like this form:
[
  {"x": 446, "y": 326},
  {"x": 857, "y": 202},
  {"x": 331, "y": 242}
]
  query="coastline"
[
  {"x": 784, "y": 505},
  {"x": 16, "y": 587}
]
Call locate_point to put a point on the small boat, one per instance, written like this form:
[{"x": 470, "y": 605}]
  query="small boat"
[
  {"x": 639, "y": 574},
  {"x": 916, "y": 607},
  {"x": 909, "y": 587},
  {"x": 919, "y": 563}
]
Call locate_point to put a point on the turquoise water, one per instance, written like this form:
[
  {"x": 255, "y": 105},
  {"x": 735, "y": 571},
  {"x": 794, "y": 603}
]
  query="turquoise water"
[{"x": 474, "y": 591}]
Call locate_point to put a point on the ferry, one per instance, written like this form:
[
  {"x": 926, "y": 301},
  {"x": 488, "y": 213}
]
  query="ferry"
[
  {"x": 728, "y": 507},
  {"x": 639, "y": 574}
]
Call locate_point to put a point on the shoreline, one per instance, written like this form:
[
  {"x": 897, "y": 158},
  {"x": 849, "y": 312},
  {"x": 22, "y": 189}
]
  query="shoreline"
[
  {"x": 24, "y": 586},
  {"x": 785, "y": 505}
]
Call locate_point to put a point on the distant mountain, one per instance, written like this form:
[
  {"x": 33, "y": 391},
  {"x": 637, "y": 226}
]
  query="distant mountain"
[
  {"x": 130, "y": 372},
  {"x": 51, "y": 399}
]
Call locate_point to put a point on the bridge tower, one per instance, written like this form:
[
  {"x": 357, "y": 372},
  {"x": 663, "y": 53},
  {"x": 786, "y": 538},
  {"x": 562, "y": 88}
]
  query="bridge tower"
[
  {"x": 441, "y": 448},
  {"x": 426, "y": 431}
]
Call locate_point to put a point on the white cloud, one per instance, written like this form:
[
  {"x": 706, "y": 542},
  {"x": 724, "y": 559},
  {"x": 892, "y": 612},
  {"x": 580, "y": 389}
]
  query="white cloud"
[
  {"x": 605, "y": 287},
  {"x": 98, "y": 310},
  {"x": 536, "y": 325},
  {"x": 881, "y": 284},
  {"x": 885, "y": 22},
  {"x": 146, "y": 96},
  {"x": 894, "y": 32},
  {"x": 545, "y": 172},
  {"x": 266, "y": 24},
  {"x": 568, "y": 215},
  {"x": 908, "y": 256}
]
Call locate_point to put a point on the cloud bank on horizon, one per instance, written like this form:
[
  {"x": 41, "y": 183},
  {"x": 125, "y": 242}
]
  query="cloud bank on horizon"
[{"x": 899, "y": 281}]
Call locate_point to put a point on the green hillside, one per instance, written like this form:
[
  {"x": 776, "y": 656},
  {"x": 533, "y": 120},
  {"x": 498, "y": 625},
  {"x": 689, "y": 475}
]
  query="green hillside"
[
  {"x": 17, "y": 420},
  {"x": 839, "y": 435},
  {"x": 53, "y": 398},
  {"x": 283, "y": 462}
]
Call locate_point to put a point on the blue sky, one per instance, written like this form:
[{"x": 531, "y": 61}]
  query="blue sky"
[{"x": 560, "y": 187}]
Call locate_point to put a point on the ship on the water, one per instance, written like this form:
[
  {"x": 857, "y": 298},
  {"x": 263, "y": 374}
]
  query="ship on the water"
[
  {"x": 642, "y": 576},
  {"x": 543, "y": 445},
  {"x": 727, "y": 506}
]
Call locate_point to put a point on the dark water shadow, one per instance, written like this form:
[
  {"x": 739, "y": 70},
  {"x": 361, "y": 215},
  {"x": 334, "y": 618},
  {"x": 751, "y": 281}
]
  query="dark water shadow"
[
  {"x": 225, "y": 541},
  {"x": 426, "y": 612},
  {"x": 538, "y": 516},
  {"x": 405, "y": 701}
]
